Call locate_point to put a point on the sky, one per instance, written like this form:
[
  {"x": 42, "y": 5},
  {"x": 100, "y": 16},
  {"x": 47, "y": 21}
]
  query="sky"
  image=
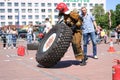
[{"x": 111, "y": 4}]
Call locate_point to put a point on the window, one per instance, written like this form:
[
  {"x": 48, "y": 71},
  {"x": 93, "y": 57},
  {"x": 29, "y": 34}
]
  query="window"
[
  {"x": 9, "y": 10},
  {"x": 10, "y": 17},
  {"x": 29, "y": 10},
  {"x": 68, "y": 4},
  {"x": 9, "y": 4},
  {"x": 36, "y": 5},
  {"x": 79, "y": 4},
  {"x": 36, "y": 16},
  {"x": 56, "y": 16},
  {"x": 43, "y": 16},
  {"x": 10, "y": 23},
  {"x": 2, "y": 10},
  {"x": 29, "y": 16},
  {"x": 2, "y": 23},
  {"x": 2, "y": 17},
  {"x": 29, "y": 4},
  {"x": 55, "y": 4},
  {"x": 22, "y": 4},
  {"x": 73, "y": 5},
  {"x": 42, "y": 10},
  {"x": 23, "y": 10},
  {"x": 24, "y": 23},
  {"x": 23, "y": 17},
  {"x": 49, "y": 16},
  {"x": 49, "y": 10},
  {"x": 16, "y": 4},
  {"x": 49, "y": 4},
  {"x": 42, "y": 4},
  {"x": 2, "y": 4},
  {"x": 91, "y": 5},
  {"x": 36, "y": 10},
  {"x": 96, "y": 4},
  {"x": 16, "y": 17},
  {"x": 16, "y": 10},
  {"x": 55, "y": 10},
  {"x": 85, "y": 4}
]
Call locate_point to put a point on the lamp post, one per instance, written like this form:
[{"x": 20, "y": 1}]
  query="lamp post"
[{"x": 110, "y": 23}]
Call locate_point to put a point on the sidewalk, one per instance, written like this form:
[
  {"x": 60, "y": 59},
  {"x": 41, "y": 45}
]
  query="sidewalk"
[{"x": 13, "y": 67}]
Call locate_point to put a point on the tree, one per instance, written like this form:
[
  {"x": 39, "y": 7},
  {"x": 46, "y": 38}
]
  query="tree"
[
  {"x": 101, "y": 17},
  {"x": 113, "y": 19},
  {"x": 117, "y": 14}
]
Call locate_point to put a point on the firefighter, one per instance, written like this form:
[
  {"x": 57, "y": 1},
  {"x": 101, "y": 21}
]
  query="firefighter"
[{"x": 74, "y": 21}]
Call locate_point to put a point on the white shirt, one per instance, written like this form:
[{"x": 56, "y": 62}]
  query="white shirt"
[
  {"x": 48, "y": 26},
  {"x": 30, "y": 30}
]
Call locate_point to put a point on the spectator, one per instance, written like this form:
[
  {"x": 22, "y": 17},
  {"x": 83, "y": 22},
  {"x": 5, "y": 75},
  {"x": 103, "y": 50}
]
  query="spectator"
[
  {"x": 118, "y": 33},
  {"x": 88, "y": 31},
  {"x": 3, "y": 36},
  {"x": 14, "y": 36},
  {"x": 48, "y": 25},
  {"x": 29, "y": 33},
  {"x": 9, "y": 37}
]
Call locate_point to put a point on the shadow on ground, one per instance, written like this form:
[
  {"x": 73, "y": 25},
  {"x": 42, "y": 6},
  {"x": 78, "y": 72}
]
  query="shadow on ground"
[
  {"x": 67, "y": 63},
  {"x": 63, "y": 64}
]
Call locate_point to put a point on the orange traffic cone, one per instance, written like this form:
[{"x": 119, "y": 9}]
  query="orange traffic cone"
[{"x": 111, "y": 48}]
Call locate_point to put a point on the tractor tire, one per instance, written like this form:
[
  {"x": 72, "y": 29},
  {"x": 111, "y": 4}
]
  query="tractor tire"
[
  {"x": 33, "y": 46},
  {"x": 54, "y": 45}
]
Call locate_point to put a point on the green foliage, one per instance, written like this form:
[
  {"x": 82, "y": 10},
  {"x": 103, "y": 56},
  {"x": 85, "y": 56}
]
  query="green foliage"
[{"x": 102, "y": 18}]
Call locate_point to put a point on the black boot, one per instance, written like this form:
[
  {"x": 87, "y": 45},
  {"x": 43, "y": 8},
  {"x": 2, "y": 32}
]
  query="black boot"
[{"x": 83, "y": 62}]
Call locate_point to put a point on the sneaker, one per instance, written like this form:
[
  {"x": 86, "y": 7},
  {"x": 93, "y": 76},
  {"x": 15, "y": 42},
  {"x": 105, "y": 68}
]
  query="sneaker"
[
  {"x": 5, "y": 48},
  {"x": 83, "y": 63},
  {"x": 9, "y": 47},
  {"x": 14, "y": 47},
  {"x": 95, "y": 57}
]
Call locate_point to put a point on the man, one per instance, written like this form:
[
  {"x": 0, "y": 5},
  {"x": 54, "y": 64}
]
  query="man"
[
  {"x": 88, "y": 28},
  {"x": 29, "y": 33},
  {"x": 48, "y": 25},
  {"x": 118, "y": 33},
  {"x": 73, "y": 20}
]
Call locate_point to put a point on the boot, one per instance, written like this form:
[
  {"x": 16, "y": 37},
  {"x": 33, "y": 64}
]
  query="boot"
[{"x": 83, "y": 62}]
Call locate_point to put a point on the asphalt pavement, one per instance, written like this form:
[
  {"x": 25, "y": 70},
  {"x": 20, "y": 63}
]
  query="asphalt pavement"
[{"x": 14, "y": 67}]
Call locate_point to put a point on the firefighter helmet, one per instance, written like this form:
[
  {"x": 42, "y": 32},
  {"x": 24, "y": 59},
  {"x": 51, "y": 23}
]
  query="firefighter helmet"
[{"x": 62, "y": 7}]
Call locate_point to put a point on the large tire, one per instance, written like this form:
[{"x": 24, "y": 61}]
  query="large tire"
[{"x": 54, "y": 45}]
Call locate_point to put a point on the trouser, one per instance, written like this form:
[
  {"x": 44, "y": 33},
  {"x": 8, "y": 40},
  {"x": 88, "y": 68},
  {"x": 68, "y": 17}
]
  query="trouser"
[
  {"x": 14, "y": 38},
  {"x": 76, "y": 45},
  {"x": 4, "y": 41},
  {"x": 85, "y": 40}
]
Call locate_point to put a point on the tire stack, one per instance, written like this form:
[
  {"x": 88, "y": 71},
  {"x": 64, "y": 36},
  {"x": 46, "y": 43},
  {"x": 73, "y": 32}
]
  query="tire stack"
[{"x": 33, "y": 46}]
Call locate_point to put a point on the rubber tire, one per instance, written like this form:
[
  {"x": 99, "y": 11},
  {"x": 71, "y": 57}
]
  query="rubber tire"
[
  {"x": 49, "y": 57},
  {"x": 33, "y": 46}
]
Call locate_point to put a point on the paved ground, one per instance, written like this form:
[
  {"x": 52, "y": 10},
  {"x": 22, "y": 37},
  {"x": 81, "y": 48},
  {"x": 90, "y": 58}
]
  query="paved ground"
[{"x": 13, "y": 67}]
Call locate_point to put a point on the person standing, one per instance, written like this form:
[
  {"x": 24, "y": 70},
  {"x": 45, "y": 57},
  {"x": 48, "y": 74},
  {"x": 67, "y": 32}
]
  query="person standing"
[
  {"x": 14, "y": 36},
  {"x": 88, "y": 28},
  {"x": 74, "y": 21},
  {"x": 29, "y": 33},
  {"x": 3, "y": 36},
  {"x": 48, "y": 26}
]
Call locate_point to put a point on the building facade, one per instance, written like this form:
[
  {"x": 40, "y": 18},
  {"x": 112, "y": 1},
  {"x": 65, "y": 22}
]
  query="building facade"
[{"x": 22, "y": 12}]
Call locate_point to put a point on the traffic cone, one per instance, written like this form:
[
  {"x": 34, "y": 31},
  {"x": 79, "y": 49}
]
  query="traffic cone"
[{"x": 111, "y": 48}]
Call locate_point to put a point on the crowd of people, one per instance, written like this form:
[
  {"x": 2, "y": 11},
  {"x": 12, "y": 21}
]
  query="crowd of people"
[
  {"x": 9, "y": 37},
  {"x": 9, "y": 34}
]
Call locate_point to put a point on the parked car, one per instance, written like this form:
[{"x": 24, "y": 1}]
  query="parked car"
[{"x": 112, "y": 33}]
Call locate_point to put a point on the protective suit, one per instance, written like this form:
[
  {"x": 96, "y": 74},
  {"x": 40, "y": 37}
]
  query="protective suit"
[{"x": 74, "y": 21}]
